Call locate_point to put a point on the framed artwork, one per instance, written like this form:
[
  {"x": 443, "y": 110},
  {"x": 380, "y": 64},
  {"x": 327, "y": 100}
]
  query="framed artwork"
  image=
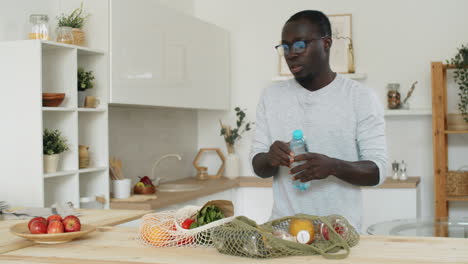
[{"x": 341, "y": 26}]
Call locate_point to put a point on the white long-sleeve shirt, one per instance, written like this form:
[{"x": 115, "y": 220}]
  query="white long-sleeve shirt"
[{"x": 343, "y": 120}]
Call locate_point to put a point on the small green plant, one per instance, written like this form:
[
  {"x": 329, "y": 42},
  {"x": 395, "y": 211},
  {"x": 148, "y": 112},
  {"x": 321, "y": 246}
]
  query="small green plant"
[
  {"x": 461, "y": 78},
  {"x": 85, "y": 79},
  {"x": 231, "y": 135},
  {"x": 75, "y": 20},
  {"x": 53, "y": 142}
]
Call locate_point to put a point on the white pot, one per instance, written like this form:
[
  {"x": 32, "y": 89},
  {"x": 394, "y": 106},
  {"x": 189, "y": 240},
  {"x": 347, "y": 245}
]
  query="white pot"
[
  {"x": 81, "y": 98},
  {"x": 232, "y": 170},
  {"x": 51, "y": 163}
]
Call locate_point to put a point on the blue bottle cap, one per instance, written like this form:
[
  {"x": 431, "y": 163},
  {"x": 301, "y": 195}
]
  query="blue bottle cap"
[{"x": 297, "y": 134}]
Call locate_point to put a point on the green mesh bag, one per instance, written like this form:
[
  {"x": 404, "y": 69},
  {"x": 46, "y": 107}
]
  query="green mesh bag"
[{"x": 333, "y": 237}]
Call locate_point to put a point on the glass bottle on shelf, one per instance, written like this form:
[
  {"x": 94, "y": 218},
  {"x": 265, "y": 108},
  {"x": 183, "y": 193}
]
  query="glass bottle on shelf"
[
  {"x": 393, "y": 95},
  {"x": 65, "y": 35},
  {"x": 39, "y": 27}
]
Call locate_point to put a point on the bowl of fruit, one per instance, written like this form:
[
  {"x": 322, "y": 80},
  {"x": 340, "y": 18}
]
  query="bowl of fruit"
[
  {"x": 52, "y": 230},
  {"x": 144, "y": 186}
]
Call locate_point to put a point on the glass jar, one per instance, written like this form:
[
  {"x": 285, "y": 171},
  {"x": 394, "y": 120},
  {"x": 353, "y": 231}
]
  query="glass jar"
[
  {"x": 65, "y": 35},
  {"x": 39, "y": 27},
  {"x": 393, "y": 95}
]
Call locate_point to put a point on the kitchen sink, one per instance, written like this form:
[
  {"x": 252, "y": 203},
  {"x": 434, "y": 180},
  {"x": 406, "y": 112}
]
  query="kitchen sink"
[{"x": 178, "y": 187}]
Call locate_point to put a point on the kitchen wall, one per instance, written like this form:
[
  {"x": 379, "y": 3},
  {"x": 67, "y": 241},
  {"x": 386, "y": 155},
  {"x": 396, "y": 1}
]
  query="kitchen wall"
[
  {"x": 139, "y": 136},
  {"x": 394, "y": 41}
]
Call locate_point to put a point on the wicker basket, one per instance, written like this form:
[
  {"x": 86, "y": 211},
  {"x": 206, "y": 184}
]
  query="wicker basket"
[
  {"x": 457, "y": 182},
  {"x": 79, "y": 37}
]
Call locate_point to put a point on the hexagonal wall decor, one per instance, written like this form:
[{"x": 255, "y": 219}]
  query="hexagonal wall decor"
[{"x": 221, "y": 157}]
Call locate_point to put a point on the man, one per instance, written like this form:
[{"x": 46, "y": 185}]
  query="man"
[{"x": 342, "y": 122}]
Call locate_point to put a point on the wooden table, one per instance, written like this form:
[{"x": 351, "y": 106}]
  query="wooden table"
[
  {"x": 9, "y": 242},
  {"x": 118, "y": 245}
]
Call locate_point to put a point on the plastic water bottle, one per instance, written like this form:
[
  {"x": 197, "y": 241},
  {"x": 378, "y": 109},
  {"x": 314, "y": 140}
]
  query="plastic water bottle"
[{"x": 298, "y": 146}]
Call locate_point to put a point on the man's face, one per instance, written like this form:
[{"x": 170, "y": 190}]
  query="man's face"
[{"x": 314, "y": 58}]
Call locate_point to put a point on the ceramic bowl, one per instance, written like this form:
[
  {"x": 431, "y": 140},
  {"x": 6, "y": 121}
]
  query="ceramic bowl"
[
  {"x": 52, "y": 99},
  {"x": 144, "y": 190}
]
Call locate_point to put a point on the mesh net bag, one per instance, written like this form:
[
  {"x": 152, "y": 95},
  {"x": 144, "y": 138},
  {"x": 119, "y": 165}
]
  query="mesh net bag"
[
  {"x": 163, "y": 229},
  {"x": 332, "y": 237}
]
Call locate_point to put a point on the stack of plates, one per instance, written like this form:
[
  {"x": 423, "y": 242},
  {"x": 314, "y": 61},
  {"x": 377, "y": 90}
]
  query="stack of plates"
[{"x": 4, "y": 205}]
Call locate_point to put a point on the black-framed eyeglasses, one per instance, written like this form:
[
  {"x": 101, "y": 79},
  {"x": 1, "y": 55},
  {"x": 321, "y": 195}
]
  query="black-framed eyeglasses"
[{"x": 297, "y": 47}]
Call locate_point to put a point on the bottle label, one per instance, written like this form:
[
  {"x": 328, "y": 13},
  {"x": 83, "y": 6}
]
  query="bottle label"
[{"x": 303, "y": 237}]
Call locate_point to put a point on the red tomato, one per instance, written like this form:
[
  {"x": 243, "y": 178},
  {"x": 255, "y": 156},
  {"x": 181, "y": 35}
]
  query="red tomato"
[{"x": 187, "y": 222}]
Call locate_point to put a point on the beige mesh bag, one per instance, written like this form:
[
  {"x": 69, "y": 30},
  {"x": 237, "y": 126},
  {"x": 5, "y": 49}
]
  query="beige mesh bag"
[
  {"x": 164, "y": 229},
  {"x": 332, "y": 237}
]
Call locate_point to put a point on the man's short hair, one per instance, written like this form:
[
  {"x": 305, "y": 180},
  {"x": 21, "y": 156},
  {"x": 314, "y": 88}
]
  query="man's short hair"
[{"x": 316, "y": 18}]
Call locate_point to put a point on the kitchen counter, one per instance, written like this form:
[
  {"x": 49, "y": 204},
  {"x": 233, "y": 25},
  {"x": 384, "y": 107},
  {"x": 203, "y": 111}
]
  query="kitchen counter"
[
  {"x": 165, "y": 199},
  {"x": 209, "y": 187},
  {"x": 118, "y": 245},
  {"x": 9, "y": 242}
]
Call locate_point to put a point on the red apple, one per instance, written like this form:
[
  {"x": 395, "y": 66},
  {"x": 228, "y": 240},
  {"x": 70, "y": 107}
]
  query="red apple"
[
  {"x": 55, "y": 227},
  {"x": 54, "y": 218},
  {"x": 71, "y": 223},
  {"x": 38, "y": 227},
  {"x": 42, "y": 219}
]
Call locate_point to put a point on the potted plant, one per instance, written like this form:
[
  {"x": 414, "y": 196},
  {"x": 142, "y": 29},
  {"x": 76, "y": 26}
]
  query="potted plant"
[
  {"x": 85, "y": 82},
  {"x": 461, "y": 78},
  {"x": 52, "y": 144},
  {"x": 231, "y": 136},
  {"x": 76, "y": 22}
]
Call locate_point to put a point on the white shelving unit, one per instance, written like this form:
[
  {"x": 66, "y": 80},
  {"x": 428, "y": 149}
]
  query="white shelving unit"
[
  {"x": 408, "y": 112},
  {"x": 354, "y": 76},
  {"x": 29, "y": 68}
]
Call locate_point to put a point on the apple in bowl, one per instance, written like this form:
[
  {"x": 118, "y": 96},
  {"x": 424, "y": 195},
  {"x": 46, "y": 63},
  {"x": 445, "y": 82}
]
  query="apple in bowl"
[{"x": 71, "y": 223}]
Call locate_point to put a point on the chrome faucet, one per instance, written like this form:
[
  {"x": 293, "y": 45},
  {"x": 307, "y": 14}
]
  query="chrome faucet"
[{"x": 156, "y": 164}]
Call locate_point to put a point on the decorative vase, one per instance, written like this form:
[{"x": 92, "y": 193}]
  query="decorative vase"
[
  {"x": 232, "y": 170},
  {"x": 79, "y": 37},
  {"x": 83, "y": 156},
  {"x": 81, "y": 98},
  {"x": 51, "y": 163}
]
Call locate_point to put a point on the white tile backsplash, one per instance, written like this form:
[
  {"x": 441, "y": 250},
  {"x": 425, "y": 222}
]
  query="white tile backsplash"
[{"x": 139, "y": 136}]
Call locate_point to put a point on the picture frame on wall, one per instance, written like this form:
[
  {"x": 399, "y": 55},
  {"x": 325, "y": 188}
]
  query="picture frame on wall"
[
  {"x": 341, "y": 25},
  {"x": 340, "y": 55}
]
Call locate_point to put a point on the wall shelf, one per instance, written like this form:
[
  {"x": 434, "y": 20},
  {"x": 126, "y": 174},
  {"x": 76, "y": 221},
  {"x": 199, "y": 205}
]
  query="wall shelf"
[
  {"x": 59, "y": 174},
  {"x": 456, "y": 131},
  {"x": 80, "y": 109},
  {"x": 89, "y": 170},
  {"x": 58, "y": 109},
  {"x": 408, "y": 112},
  {"x": 353, "y": 76},
  {"x": 52, "y": 45}
]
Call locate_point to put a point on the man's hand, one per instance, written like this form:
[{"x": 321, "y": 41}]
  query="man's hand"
[
  {"x": 279, "y": 154},
  {"x": 316, "y": 167}
]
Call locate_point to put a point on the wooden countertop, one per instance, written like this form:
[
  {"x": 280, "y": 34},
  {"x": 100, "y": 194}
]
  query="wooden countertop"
[
  {"x": 9, "y": 242},
  {"x": 214, "y": 186},
  {"x": 118, "y": 245},
  {"x": 209, "y": 187}
]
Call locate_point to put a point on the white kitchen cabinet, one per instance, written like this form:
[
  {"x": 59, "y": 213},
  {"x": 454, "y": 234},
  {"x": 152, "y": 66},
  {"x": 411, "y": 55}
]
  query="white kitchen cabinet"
[
  {"x": 28, "y": 68},
  {"x": 379, "y": 204},
  {"x": 389, "y": 204},
  {"x": 254, "y": 202},
  {"x": 162, "y": 57}
]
